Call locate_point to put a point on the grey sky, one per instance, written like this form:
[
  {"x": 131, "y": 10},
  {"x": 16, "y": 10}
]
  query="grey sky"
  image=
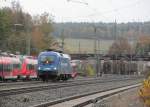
[{"x": 96, "y": 10}]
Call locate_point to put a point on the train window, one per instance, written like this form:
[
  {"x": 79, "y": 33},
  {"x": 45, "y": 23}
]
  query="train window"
[
  {"x": 7, "y": 67},
  {"x": 1, "y": 67},
  {"x": 16, "y": 66},
  {"x": 30, "y": 67},
  {"x": 65, "y": 65},
  {"x": 47, "y": 59},
  {"x": 64, "y": 62}
]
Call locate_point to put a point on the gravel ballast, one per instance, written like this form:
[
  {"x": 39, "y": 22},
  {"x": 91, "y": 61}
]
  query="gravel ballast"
[
  {"x": 33, "y": 98},
  {"x": 129, "y": 98}
]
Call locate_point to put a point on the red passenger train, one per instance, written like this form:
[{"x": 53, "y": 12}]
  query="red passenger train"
[
  {"x": 15, "y": 67},
  {"x": 9, "y": 67}
]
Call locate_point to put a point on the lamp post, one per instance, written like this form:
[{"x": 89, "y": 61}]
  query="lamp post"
[
  {"x": 2, "y": 70},
  {"x": 16, "y": 28},
  {"x": 26, "y": 28},
  {"x": 28, "y": 48},
  {"x": 62, "y": 40},
  {"x": 116, "y": 39},
  {"x": 97, "y": 52}
]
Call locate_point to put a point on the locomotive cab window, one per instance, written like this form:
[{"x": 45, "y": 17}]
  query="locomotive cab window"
[{"x": 47, "y": 59}]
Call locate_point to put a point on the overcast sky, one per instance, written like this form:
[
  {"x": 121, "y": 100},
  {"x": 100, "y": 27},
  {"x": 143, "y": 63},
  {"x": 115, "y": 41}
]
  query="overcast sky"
[{"x": 88, "y": 10}]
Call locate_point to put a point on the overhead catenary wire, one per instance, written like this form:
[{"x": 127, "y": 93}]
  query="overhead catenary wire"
[
  {"x": 103, "y": 14},
  {"x": 77, "y": 1},
  {"x": 116, "y": 9}
]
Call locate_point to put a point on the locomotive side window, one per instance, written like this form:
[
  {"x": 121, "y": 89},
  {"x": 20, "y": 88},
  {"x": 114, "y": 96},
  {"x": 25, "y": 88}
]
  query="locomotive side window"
[
  {"x": 64, "y": 62},
  {"x": 65, "y": 66}
]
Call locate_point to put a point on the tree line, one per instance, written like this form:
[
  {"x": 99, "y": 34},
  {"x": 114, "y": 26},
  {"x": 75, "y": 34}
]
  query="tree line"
[
  {"x": 129, "y": 38},
  {"x": 106, "y": 31},
  {"x": 19, "y": 31}
]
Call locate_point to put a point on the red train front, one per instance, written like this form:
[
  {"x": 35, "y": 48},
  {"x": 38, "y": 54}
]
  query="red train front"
[{"x": 28, "y": 69}]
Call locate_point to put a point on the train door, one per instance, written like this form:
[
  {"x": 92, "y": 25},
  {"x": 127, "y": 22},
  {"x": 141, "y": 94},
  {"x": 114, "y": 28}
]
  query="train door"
[
  {"x": 31, "y": 67},
  {"x": 8, "y": 68},
  {"x": 65, "y": 66},
  {"x": 65, "y": 69},
  {"x": 16, "y": 68},
  {"x": 1, "y": 69},
  {"x": 62, "y": 68}
]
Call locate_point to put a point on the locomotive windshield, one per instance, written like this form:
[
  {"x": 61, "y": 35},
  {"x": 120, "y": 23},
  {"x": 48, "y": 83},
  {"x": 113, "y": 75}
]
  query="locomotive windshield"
[{"x": 47, "y": 59}]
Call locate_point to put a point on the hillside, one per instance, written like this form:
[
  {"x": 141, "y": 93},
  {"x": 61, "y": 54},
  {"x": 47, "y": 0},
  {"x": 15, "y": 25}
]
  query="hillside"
[{"x": 105, "y": 31}]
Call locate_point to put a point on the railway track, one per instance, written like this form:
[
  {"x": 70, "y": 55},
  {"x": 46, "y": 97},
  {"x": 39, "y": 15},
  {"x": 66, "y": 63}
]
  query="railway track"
[
  {"x": 12, "y": 83},
  {"x": 86, "y": 99},
  {"x": 19, "y": 83},
  {"x": 41, "y": 87},
  {"x": 23, "y": 83}
]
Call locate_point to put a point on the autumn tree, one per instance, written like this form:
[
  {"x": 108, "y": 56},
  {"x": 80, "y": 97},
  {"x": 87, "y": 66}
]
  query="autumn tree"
[
  {"x": 143, "y": 44},
  {"x": 19, "y": 31},
  {"x": 120, "y": 46},
  {"x": 5, "y": 26},
  {"x": 17, "y": 40},
  {"x": 41, "y": 35}
]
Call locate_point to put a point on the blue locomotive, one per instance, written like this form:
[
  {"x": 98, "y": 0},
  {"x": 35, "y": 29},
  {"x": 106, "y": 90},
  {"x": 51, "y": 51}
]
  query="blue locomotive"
[{"x": 54, "y": 66}]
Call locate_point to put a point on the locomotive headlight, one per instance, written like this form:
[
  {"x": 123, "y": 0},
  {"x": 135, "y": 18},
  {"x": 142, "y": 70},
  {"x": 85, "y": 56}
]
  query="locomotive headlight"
[
  {"x": 39, "y": 68},
  {"x": 55, "y": 68}
]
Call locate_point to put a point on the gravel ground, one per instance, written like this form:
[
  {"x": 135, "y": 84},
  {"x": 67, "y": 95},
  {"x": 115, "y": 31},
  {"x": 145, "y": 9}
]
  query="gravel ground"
[
  {"x": 128, "y": 98},
  {"x": 11, "y": 85},
  {"x": 29, "y": 99},
  {"x": 19, "y": 84}
]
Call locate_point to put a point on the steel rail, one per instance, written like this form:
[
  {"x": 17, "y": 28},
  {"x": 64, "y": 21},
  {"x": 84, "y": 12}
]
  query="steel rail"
[
  {"x": 35, "y": 82},
  {"x": 15, "y": 91},
  {"x": 104, "y": 94},
  {"x": 19, "y": 83}
]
